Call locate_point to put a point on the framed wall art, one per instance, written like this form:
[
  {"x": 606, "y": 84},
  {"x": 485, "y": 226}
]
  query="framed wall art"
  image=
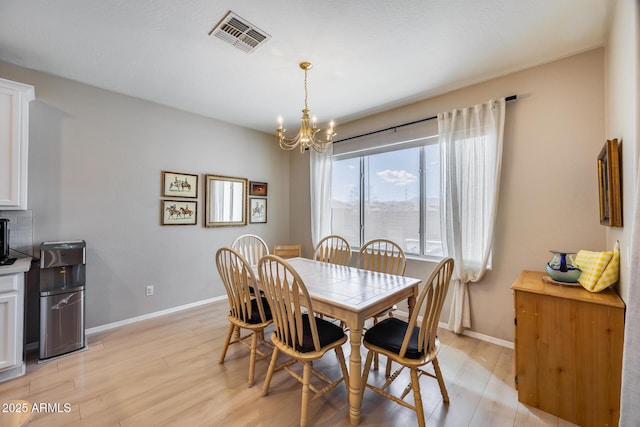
[
  {"x": 257, "y": 210},
  {"x": 175, "y": 184},
  {"x": 610, "y": 184},
  {"x": 257, "y": 188},
  {"x": 225, "y": 201},
  {"x": 178, "y": 212}
]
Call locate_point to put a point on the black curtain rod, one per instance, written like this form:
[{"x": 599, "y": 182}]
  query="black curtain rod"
[{"x": 508, "y": 98}]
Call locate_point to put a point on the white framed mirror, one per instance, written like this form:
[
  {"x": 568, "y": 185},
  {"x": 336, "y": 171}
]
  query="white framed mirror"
[{"x": 225, "y": 201}]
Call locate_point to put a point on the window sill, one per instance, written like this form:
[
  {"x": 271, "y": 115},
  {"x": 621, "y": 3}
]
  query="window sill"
[{"x": 432, "y": 259}]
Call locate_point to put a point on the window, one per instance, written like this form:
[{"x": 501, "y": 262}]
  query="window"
[{"x": 393, "y": 195}]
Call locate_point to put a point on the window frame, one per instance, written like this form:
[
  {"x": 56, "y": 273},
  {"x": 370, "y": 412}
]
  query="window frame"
[{"x": 391, "y": 147}]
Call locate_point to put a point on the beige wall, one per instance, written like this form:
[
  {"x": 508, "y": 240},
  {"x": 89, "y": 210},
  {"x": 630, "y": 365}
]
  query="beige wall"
[
  {"x": 622, "y": 107},
  {"x": 622, "y": 74},
  {"x": 549, "y": 198}
]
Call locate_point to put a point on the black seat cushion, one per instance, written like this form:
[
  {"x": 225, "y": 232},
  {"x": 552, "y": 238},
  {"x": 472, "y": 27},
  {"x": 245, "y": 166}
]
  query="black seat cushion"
[
  {"x": 255, "y": 314},
  {"x": 389, "y": 334},
  {"x": 327, "y": 334}
]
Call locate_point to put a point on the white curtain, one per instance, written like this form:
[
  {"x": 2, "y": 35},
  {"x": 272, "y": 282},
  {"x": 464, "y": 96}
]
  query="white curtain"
[
  {"x": 629, "y": 409},
  {"x": 320, "y": 167},
  {"x": 470, "y": 160}
]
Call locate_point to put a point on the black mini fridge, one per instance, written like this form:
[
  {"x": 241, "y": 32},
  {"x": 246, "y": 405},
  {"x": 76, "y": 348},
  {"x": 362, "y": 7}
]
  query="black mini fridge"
[{"x": 62, "y": 287}]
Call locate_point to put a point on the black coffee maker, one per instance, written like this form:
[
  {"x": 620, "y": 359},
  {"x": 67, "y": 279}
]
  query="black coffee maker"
[{"x": 4, "y": 243}]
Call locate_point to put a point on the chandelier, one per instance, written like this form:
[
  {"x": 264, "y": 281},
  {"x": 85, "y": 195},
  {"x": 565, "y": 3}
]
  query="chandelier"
[{"x": 307, "y": 136}]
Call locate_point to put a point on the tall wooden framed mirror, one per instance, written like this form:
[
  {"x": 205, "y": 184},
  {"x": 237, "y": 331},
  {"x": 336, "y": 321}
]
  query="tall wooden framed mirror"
[{"x": 225, "y": 201}]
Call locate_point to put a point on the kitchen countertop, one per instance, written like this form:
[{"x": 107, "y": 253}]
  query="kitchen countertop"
[{"x": 21, "y": 265}]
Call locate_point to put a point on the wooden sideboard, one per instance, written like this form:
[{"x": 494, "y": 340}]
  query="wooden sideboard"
[{"x": 568, "y": 350}]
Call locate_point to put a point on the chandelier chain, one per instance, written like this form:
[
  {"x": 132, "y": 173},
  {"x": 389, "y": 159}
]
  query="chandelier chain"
[{"x": 305, "y": 90}]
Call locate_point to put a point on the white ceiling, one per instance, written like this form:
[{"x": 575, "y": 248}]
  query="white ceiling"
[{"x": 368, "y": 55}]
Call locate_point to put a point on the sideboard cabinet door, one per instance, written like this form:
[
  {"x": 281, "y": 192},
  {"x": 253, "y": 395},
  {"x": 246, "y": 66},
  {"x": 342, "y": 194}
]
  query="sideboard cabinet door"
[{"x": 14, "y": 143}]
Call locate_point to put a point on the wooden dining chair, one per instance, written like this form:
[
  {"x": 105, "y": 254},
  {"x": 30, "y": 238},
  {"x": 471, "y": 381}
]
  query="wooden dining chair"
[
  {"x": 245, "y": 310},
  {"x": 251, "y": 247},
  {"x": 412, "y": 344},
  {"x": 287, "y": 251},
  {"x": 383, "y": 256},
  {"x": 298, "y": 334},
  {"x": 334, "y": 250}
]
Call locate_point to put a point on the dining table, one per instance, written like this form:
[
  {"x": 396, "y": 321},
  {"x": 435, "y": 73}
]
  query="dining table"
[{"x": 353, "y": 295}]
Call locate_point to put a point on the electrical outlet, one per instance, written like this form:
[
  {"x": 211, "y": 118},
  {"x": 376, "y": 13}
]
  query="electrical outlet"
[{"x": 149, "y": 291}]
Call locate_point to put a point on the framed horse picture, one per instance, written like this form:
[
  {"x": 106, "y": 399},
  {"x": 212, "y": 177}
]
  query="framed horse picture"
[
  {"x": 258, "y": 210},
  {"x": 178, "y": 212},
  {"x": 175, "y": 184}
]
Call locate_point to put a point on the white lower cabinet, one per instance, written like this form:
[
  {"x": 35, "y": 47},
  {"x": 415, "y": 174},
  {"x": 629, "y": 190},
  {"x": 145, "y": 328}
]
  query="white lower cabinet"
[
  {"x": 8, "y": 335},
  {"x": 11, "y": 325}
]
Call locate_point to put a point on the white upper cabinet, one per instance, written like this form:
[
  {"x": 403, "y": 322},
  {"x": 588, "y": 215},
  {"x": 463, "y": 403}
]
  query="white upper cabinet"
[{"x": 14, "y": 143}]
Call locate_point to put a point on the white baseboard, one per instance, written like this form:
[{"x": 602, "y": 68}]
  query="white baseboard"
[
  {"x": 119, "y": 323},
  {"x": 472, "y": 334},
  {"x": 481, "y": 337},
  {"x": 108, "y": 326}
]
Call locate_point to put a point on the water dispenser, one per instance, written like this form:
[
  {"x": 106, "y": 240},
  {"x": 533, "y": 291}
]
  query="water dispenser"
[{"x": 62, "y": 287}]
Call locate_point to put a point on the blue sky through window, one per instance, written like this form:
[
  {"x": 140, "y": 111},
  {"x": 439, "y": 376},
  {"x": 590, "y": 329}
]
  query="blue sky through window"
[{"x": 392, "y": 176}]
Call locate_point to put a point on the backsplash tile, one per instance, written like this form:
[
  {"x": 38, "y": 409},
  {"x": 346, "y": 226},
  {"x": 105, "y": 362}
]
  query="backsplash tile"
[{"x": 21, "y": 230}]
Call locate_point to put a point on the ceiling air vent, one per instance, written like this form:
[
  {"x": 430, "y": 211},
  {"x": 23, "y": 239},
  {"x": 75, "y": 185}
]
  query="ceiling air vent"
[{"x": 239, "y": 33}]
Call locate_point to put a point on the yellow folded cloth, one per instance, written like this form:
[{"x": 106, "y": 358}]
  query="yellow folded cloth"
[{"x": 599, "y": 269}]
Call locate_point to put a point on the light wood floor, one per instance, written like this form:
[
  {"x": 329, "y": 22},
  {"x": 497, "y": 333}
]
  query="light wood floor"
[{"x": 165, "y": 371}]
